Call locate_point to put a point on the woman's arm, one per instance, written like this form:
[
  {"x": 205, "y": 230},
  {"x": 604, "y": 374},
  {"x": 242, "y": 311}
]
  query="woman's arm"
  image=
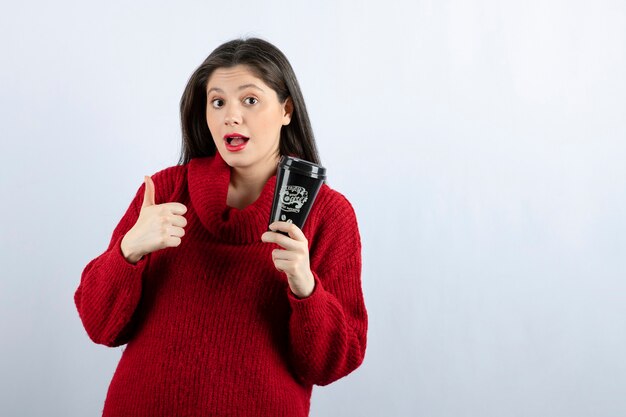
[
  {"x": 328, "y": 329},
  {"x": 110, "y": 287},
  {"x": 111, "y": 284},
  {"x": 328, "y": 322}
]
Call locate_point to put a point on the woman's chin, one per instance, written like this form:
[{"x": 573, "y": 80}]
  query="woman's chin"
[{"x": 234, "y": 161}]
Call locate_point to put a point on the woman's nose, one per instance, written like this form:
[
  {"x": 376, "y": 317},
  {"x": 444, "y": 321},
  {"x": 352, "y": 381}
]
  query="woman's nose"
[{"x": 233, "y": 115}]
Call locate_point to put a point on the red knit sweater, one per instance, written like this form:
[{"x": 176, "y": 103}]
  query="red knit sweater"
[{"x": 212, "y": 327}]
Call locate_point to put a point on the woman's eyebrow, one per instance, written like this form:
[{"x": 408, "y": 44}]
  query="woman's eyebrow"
[{"x": 241, "y": 87}]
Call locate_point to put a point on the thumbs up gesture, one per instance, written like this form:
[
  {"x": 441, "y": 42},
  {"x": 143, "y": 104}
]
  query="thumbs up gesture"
[{"x": 158, "y": 226}]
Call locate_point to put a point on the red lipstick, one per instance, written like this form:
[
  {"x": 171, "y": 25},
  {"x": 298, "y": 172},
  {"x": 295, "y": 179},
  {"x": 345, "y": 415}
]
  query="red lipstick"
[{"x": 235, "y": 142}]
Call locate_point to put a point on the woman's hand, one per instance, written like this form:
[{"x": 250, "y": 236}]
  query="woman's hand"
[
  {"x": 158, "y": 226},
  {"x": 293, "y": 259}
]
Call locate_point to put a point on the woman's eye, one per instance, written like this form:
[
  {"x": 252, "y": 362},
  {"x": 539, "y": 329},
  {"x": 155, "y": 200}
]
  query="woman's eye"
[
  {"x": 217, "y": 103},
  {"x": 250, "y": 100}
]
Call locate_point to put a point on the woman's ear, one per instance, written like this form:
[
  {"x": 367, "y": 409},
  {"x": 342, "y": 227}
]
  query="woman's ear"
[{"x": 287, "y": 111}]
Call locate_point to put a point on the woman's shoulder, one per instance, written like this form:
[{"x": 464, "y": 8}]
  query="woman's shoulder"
[
  {"x": 170, "y": 173},
  {"x": 168, "y": 183},
  {"x": 333, "y": 230},
  {"x": 332, "y": 201},
  {"x": 332, "y": 212}
]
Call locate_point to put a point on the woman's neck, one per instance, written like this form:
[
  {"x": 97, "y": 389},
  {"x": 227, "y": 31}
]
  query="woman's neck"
[{"x": 246, "y": 186}]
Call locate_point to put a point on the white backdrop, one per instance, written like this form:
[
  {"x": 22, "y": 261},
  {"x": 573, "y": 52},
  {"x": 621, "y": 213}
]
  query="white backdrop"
[{"x": 482, "y": 144}]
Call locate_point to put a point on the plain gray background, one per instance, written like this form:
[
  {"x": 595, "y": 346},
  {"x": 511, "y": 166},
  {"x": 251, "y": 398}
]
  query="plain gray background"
[{"x": 482, "y": 144}]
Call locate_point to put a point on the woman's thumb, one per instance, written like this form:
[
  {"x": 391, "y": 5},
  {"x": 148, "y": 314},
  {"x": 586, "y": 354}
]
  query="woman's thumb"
[{"x": 148, "y": 196}]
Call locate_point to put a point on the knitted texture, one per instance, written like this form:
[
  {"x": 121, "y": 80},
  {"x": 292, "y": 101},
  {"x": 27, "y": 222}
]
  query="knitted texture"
[{"x": 212, "y": 328}]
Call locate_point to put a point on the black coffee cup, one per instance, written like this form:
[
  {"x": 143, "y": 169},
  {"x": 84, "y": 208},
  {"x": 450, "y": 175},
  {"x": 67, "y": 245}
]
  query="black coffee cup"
[{"x": 297, "y": 184}]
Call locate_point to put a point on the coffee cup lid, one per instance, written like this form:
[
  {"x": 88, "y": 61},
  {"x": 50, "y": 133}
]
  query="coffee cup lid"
[{"x": 303, "y": 167}]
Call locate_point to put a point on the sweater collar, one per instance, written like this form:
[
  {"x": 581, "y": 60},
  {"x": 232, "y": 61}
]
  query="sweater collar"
[{"x": 208, "y": 180}]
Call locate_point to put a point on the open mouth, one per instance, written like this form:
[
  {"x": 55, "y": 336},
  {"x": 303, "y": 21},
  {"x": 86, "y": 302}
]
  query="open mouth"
[{"x": 235, "y": 141}]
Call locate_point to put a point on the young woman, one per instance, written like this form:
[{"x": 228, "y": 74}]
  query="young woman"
[{"x": 221, "y": 316}]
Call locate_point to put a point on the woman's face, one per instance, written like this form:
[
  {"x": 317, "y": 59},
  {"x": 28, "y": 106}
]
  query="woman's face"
[{"x": 245, "y": 116}]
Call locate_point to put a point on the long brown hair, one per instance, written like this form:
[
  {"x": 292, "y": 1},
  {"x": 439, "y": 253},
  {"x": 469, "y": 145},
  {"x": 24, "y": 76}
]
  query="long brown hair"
[{"x": 267, "y": 63}]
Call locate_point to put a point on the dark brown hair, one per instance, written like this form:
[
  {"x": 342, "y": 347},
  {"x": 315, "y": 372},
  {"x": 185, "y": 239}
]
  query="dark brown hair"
[{"x": 267, "y": 63}]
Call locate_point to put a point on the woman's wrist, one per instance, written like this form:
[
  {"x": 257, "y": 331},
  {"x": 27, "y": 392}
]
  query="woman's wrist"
[
  {"x": 304, "y": 288},
  {"x": 128, "y": 254}
]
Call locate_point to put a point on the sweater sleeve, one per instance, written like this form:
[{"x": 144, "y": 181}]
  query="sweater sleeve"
[
  {"x": 110, "y": 286},
  {"x": 328, "y": 329}
]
